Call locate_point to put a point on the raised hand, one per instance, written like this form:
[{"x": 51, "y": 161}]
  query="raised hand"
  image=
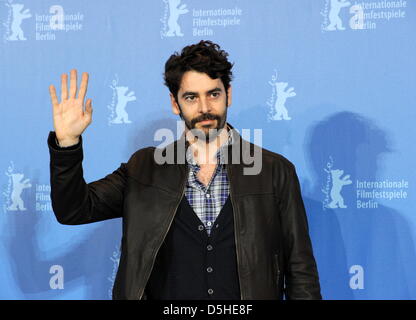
[{"x": 70, "y": 116}]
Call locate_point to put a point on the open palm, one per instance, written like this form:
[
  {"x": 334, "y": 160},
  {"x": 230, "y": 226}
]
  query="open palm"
[{"x": 70, "y": 117}]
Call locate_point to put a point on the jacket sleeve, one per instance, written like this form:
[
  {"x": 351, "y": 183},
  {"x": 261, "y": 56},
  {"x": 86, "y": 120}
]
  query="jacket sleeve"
[
  {"x": 73, "y": 200},
  {"x": 301, "y": 275}
]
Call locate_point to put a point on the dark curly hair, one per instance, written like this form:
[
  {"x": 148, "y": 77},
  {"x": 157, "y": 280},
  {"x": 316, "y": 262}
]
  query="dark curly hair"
[{"x": 206, "y": 57}]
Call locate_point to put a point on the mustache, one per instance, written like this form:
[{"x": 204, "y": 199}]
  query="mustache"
[{"x": 205, "y": 116}]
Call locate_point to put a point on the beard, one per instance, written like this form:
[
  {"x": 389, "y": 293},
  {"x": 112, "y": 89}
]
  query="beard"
[{"x": 207, "y": 132}]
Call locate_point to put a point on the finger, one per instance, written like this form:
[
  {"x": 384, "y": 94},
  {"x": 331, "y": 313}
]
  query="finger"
[
  {"x": 54, "y": 98},
  {"x": 84, "y": 85},
  {"x": 64, "y": 86},
  {"x": 73, "y": 84}
]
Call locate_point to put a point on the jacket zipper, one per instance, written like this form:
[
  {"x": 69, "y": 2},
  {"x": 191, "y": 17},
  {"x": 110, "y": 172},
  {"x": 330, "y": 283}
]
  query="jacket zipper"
[
  {"x": 237, "y": 243},
  {"x": 164, "y": 236}
]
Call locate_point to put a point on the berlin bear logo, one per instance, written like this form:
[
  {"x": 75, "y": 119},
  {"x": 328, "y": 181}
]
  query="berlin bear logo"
[
  {"x": 175, "y": 10},
  {"x": 18, "y": 17},
  {"x": 335, "y": 21},
  {"x": 337, "y": 184},
  {"x": 122, "y": 99},
  {"x": 278, "y": 100},
  {"x": 118, "y": 109},
  {"x": 16, "y": 195}
]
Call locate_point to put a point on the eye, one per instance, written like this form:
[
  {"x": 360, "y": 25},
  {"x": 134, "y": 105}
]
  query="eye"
[
  {"x": 215, "y": 94},
  {"x": 190, "y": 98}
]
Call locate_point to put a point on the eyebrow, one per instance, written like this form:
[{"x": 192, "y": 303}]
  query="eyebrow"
[{"x": 191, "y": 93}]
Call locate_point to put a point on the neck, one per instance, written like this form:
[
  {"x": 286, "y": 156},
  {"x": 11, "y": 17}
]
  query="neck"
[{"x": 204, "y": 152}]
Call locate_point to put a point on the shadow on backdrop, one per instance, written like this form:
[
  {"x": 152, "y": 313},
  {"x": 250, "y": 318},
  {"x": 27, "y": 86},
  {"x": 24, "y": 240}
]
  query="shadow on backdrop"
[{"x": 378, "y": 239}]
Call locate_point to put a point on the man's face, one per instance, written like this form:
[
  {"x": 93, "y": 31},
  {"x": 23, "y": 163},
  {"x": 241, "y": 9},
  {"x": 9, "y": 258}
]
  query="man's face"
[{"x": 202, "y": 103}]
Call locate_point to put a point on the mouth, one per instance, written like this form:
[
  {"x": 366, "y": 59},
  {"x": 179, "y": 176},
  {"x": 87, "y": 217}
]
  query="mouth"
[{"x": 206, "y": 123}]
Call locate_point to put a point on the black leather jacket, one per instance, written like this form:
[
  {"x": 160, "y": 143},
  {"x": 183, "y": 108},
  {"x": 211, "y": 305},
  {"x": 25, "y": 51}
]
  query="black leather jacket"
[{"x": 274, "y": 252}]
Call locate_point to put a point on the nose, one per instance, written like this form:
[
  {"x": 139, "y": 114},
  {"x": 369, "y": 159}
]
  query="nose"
[{"x": 204, "y": 106}]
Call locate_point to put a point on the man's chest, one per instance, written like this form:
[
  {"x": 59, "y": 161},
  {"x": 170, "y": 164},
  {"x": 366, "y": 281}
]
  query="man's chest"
[{"x": 205, "y": 173}]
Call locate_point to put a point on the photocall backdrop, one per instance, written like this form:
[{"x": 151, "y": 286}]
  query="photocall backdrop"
[{"x": 331, "y": 84}]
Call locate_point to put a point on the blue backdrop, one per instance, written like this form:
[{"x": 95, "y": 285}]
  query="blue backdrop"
[{"x": 331, "y": 83}]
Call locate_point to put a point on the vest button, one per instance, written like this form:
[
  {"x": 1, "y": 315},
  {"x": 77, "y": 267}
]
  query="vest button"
[
  {"x": 200, "y": 227},
  {"x": 209, "y": 269},
  {"x": 209, "y": 247},
  {"x": 210, "y": 291}
]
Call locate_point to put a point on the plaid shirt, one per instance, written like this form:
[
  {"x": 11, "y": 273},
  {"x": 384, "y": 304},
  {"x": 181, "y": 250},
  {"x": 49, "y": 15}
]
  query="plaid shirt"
[{"x": 207, "y": 201}]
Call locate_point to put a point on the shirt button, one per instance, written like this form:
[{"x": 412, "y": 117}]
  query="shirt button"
[
  {"x": 210, "y": 291},
  {"x": 207, "y": 195},
  {"x": 209, "y": 269},
  {"x": 209, "y": 223},
  {"x": 209, "y": 247},
  {"x": 200, "y": 227}
]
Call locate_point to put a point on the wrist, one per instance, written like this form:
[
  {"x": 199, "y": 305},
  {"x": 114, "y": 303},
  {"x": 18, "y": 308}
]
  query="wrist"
[{"x": 65, "y": 143}]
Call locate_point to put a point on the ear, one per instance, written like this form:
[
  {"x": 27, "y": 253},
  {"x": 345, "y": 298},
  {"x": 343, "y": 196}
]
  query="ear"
[
  {"x": 229, "y": 94},
  {"x": 175, "y": 107}
]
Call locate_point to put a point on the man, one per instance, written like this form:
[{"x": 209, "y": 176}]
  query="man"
[{"x": 202, "y": 228}]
